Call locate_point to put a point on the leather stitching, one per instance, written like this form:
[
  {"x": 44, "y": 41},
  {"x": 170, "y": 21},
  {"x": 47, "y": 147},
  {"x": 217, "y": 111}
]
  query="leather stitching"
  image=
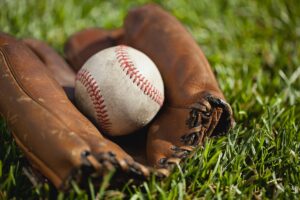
[
  {"x": 128, "y": 67},
  {"x": 87, "y": 80}
]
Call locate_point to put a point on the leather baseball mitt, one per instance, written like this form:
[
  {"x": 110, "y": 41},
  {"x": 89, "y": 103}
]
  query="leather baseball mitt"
[
  {"x": 62, "y": 144},
  {"x": 195, "y": 107}
]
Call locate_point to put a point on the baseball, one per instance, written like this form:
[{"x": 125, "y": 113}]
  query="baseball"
[{"x": 120, "y": 89}]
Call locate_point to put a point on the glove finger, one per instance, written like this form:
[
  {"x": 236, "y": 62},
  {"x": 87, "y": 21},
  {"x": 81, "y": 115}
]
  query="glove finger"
[
  {"x": 82, "y": 45},
  {"x": 49, "y": 144}
]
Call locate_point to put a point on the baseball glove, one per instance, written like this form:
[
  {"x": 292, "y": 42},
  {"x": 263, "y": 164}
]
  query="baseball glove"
[
  {"x": 63, "y": 145},
  {"x": 194, "y": 108}
]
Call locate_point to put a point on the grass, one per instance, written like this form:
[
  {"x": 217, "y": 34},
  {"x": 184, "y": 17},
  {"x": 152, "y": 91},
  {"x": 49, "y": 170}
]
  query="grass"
[{"x": 253, "y": 47}]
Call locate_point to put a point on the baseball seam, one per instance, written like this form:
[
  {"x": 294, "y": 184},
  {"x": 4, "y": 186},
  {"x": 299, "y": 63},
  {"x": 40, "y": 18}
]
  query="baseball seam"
[
  {"x": 133, "y": 73},
  {"x": 91, "y": 86}
]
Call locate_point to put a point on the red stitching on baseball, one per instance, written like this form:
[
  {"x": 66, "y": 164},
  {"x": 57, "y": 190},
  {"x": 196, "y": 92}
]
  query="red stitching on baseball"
[
  {"x": 86, "y": 79},
  {"x": 128, "y": 66}
]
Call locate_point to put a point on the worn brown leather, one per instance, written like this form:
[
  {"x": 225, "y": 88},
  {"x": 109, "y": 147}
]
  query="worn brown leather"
[
  {"x": 58, "y": 67},
  {"x": 195, "y": 107},
  {"x": 57, "y": 139},
  {"x": 54, "y": 62},
  {"x": 87, "y": 42}
]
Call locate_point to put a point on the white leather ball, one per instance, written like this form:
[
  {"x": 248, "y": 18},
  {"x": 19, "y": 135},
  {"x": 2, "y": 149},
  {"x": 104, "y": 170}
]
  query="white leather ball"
[{"x": 120, "y": 89}]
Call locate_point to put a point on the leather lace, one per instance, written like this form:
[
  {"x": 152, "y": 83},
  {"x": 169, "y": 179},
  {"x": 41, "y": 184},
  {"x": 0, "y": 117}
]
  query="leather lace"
[{"x": 197, "y": 118}]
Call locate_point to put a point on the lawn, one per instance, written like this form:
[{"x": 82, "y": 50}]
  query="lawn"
[{"x": 253, "y": 47}]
